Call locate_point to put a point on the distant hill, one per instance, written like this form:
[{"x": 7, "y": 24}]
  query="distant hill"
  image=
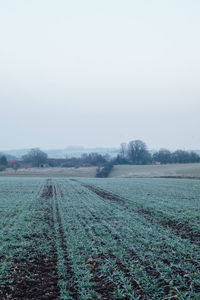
[
  {"x": 14, "y": 154},
  {"x": 71, "y": 151},
  {"x": 8, "y": 156}
]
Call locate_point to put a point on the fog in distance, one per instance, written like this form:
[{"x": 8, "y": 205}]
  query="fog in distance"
[{"x": 98, "y": 73}]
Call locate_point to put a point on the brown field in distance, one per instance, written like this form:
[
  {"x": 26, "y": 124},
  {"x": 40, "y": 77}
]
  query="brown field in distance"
[
  {"x": 52, "y": 172},
  {"x": 123, "y": 171}
]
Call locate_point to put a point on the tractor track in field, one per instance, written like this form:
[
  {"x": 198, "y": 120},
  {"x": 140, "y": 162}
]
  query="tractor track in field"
[
  {"x": 139, "y": 292},
  {"x": 151, "y": 270},
  {"x": 177, "y": 228},
  {"x": 188, "y": 233},
  {"x": 101, "y": 285},
  {"x": 35, "y": 276},
  {"x": 47, "y": 192},
  {"x": 181, "y": 230},
  {"x": 71, "y": 287},
  {"x": 105, "y": 194},
  {"x": 120, "y": 265}
]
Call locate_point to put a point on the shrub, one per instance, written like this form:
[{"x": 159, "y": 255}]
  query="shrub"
[
  {"x": 2, "y": 168},
  {"x": 105, "y": 171}
]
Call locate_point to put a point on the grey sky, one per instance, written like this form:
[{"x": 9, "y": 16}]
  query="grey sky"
[{"x": 98, "y": 73}]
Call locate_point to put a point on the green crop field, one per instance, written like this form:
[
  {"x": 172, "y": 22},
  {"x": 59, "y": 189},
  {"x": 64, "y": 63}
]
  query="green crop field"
[{"x": 93, "y": 238}]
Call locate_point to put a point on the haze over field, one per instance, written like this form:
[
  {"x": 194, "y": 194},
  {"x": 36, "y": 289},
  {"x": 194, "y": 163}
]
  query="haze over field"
[{"x": 97, "y": 73}]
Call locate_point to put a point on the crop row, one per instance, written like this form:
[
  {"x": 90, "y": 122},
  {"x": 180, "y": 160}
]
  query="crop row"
[
  {"x": 96, "y": 239},
  {"x": 174, "y": 203}
]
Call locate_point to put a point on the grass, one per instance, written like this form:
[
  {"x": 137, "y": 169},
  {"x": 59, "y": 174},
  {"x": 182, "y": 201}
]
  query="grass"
[
  {"x": 51, "y": 172},
  {"x": 174, "y": 170},
  {"x": 124, "y": 171},
  {"x": 99, "y": 238}
]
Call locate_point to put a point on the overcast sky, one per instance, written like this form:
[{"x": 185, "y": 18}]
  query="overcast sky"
[{"x": 99, "y": 72}]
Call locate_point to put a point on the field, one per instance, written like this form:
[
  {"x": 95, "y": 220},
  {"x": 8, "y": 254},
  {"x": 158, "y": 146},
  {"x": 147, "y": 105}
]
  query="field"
[
  {"x": 51, "y": 172},
  {"x": 168, "y": 170},
  {"x": 99, "y": 238},
  {"x": 118, "y": 171}
]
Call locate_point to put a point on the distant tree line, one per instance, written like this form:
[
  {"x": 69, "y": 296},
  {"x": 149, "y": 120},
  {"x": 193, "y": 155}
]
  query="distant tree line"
[
  {"x": 136, "y": 152},
  {"x": 87, "y": 160},
  {"x": 164, "y": 156},
  {"x": 38, "y": 158}
]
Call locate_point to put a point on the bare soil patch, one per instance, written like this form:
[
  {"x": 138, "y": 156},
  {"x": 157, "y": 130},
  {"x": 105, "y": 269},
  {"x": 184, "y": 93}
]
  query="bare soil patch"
[
  {"x": 47, "y": 192},
  {"x": 104, "y": 194},
  {"x": 34, "y": 278}
]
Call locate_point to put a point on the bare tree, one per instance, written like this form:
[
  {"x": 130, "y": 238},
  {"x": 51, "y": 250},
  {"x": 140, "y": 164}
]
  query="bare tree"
[
  {"x": 36, "y": 157},
  {"x": 123, "y": 150},
  {"x": 138, "y": 153}
]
